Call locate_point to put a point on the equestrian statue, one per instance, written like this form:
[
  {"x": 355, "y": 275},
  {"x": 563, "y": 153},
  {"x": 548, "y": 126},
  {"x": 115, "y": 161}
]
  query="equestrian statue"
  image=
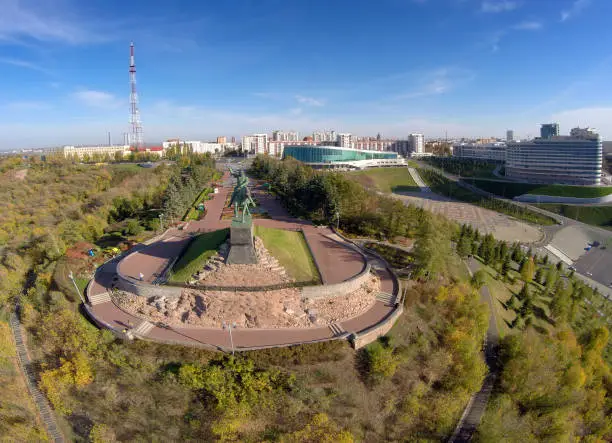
[{"x": 241, "y": 196}]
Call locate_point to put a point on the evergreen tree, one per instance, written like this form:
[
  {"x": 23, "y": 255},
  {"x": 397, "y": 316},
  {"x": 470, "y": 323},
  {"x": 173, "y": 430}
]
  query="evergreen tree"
[
  {"x": 538, "y": 275},
  {"x": 527, "y": 270},
  {"x": 464, "y": 247},
  {"x": 506, "y": 266},
  {"x": 524, "y": 293},
  {"x": 503, "y": 251}
]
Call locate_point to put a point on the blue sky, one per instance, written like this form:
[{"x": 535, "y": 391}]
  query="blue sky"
[{"x": 232, "y": 67}]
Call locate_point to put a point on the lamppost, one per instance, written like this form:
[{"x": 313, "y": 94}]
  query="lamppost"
[
  {"x": 71, "y": 275},
  {"x": 229, "y": 327}
]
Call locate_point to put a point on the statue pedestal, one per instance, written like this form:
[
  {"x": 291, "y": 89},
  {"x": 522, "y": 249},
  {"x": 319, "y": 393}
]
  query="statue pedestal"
[{"x": 242, "y": 249}]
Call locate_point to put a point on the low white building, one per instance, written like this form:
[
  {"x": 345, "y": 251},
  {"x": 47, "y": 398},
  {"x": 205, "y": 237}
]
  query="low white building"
[
  {"x": 90, "y": 151},
  {"x": 486, "y": 151}
]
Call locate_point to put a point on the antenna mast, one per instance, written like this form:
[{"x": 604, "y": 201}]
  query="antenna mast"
[{"x": 136, "y": 135}]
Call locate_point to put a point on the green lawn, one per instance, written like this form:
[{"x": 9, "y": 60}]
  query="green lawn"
[
  {"x": 291, "y": 251},
  {"x": 386, "y": 179},
  {"x": 592, "y": 215},
  {"x": 197, "y": 254},
  {"x": 573, "y": 191},
  {"x": 512, "y": 189},
  {"x": 500, "y": 294},
  {"x": 502, "y": 188}
]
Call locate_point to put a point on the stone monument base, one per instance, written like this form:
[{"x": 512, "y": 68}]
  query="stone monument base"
[{"x": 242, "y": 249}]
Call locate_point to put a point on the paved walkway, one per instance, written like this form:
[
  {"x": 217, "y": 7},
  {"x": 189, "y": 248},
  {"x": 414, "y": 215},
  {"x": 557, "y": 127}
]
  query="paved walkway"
[
  {"x": 337, "y": 261},
  {"x": 477, "y": 405},
  {"x": 44, "y": 409}
]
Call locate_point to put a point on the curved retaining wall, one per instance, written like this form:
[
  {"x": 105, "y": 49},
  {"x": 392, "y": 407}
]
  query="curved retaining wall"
[
  {"x": 367, "y": 336},
  {"x": 533, "y": 198},
  {"x": 337, "y": 289}
]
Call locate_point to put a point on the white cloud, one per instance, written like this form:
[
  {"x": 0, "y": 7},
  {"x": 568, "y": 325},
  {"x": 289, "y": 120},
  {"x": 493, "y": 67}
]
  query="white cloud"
[
  {"x": 576, "y": 7},
  {"x": 498, "y": 6},
  {"x": 44, "y": 23},
  {"x": 438, "y": 82},
  {"x": 594, "y": 117},
  {"x": 23, "y": 64},
  {"x": 309, "y": 101},
  {"x": 528, "y": 25},
  {"x": 96, "y": 99}
]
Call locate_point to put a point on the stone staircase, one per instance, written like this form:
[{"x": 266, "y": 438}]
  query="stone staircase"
[
  {"x": 386, "y": 298},
  {"x": 97, "y": 299},
  {"x": 143, "y": 328},
  {"x": 337, "y": 329},
  {"x": 45, "y": 410}
]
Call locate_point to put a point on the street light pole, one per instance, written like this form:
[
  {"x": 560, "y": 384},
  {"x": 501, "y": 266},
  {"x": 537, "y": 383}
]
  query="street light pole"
[
  {"x": 229, "y": 327},
  {"x": 71, "y": 275}
]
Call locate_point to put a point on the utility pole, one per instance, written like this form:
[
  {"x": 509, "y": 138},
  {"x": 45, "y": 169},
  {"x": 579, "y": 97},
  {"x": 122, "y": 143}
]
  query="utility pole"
[{"x": 71, "y": 275}]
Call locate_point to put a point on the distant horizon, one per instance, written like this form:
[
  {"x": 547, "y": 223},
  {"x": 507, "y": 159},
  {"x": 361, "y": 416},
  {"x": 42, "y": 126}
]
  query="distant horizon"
[{"x": 469, "y": 68}]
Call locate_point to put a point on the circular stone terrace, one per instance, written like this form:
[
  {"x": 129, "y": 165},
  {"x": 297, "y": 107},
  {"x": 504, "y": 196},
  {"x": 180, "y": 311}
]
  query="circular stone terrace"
[{"x": 339, "y": 262}]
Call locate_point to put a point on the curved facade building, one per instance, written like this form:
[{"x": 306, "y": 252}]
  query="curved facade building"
[
  {"x": 558, "y": 159},
  {"x": 335, "y": 157}
]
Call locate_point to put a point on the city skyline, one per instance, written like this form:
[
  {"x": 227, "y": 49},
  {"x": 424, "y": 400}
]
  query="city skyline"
[{"x": 467, "y": 68}]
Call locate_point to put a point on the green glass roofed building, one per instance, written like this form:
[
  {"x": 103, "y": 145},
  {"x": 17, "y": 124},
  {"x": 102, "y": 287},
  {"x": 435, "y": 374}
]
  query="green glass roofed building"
[{"x": 342, "y": 158}]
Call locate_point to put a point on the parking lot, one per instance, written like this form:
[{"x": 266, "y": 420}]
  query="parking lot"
[{"x": 597, "y": 265}]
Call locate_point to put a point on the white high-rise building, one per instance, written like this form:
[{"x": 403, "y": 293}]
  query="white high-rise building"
[
  {"x": 257, "y": 143},
  {"x": 324, "y": 136},
  {"x": 509, "y": 135},
  {"x": 345, "y": 140},
  {"x": 281, "y": 136},
  {"x": 417, "y": 143}
]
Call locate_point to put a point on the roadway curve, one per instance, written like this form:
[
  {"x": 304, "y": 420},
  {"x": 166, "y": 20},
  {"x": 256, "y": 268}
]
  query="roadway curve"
[{"x": 336, "y": 259}]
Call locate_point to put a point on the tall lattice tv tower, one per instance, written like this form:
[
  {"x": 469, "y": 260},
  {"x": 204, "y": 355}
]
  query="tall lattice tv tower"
[{"x": 136, "y": 140}]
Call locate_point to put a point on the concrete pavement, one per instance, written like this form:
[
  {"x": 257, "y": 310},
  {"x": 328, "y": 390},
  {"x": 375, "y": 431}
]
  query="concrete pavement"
[{"x": 336, "y": 259}]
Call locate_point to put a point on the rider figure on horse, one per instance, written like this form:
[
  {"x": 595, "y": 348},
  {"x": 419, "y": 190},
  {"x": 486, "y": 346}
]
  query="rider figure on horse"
[{"x": 241, "y": 197}]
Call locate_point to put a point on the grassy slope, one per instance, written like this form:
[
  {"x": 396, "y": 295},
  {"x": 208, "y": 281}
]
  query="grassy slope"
[
  {"x": 500, "y": 294},
  {"x": 386, "y": 179},
  {"x": 511, "y": 189},
  {"x": 200, "y": 250},
  {"x": 291, "y": 251},
  {"x": 592, "y": 215},
  {"x": 18, "y": 420},
  {"x": 573, "y": 191}
]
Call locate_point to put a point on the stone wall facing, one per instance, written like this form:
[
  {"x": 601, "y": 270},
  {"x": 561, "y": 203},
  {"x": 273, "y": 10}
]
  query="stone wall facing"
[
  {"x": 369, "y": 335},
  {"x": 337, "y": 289}
]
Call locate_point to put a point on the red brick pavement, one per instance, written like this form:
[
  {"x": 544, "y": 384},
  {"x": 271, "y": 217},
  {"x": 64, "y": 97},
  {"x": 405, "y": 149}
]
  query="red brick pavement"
[{"x": 336, "y": 262}]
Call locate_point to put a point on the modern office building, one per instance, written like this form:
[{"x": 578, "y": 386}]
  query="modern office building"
[
  {"x": 509, "y": 135},
  {"x": 549, "y": 130},
  {"x": 417, "y": 143},
  {"x": 575, "y": 159},
  {"x": 342, "y": 158},
  {"x": 487, "y": 151},
  {"x": 276, "y": 148}
]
